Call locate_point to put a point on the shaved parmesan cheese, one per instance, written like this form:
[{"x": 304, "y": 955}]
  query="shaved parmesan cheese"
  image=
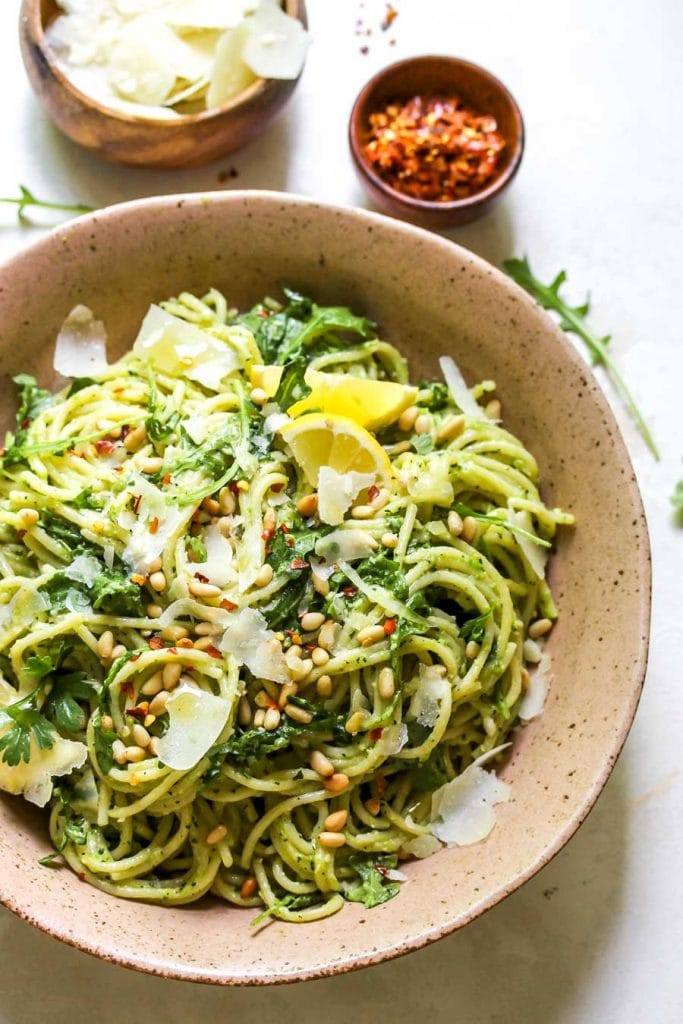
[
  {"x": 428, "y": 479},
  {"x": 197, "y": 15},
  {"x": 218, "y": 567},
  {"x": 142, "y": 62},
  {"x": 229, "y": 75},
  {"x": 536, "y": 555},
  {"x": 274, "y": 421},
  {"x": 533, "y": 701},
  {"x": 143, "y": 546},
  {"x": 84, "y": 569},
  {"x": 337, "y": 491},
  {"x": 81, "y": 348},
  {"x": 349, "y": 545},
  {"x": 181, "y": 349},
  {"x": 33, "y": 780},
  {"x": 109, "y": 555},
  {"x": 195, "y": 721},
  {"x": 460, "y": 393},
  {"x": 251, "y": 643},
  {"x": 250, "y": 555},
  {"x": 276, "y": 44},
  {"x": 197, "y": 427},
  {"x": 462, "y": 810},
  {"x": 422, "y": 846},
  {"x": 433, "y": 690}
]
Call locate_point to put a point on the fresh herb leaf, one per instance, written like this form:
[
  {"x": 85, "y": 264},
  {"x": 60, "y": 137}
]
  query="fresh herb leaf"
[
  {"x": 284, "y": 607},
  {"x": 86, "y": 499},
  {"x": 79, "y": 384},
  {"x": 677, "y": 502},
  {"x": 291, "y": 901},
  {"x": 114, "y": 593},
  {"x": 27, "y": 199},
  {"x": 32, "y": 401},
  {"x": 62, "y": 703},
  {"x": 27, "y": 722},
  {"x": 573, "y": 320},
  {"x": 506, "y": 524},
  {"x": 196, "y": 549},
  {"x": 422, "y": 443},
  {"x": 103, "y": 740},
  {"x": 438, "y": 396},
  {"x": 374, "y": 887},
  {"x": 475, "y": 628},
  {"x": 384, "y": 572},
  {"x": 428, "y": 775}
]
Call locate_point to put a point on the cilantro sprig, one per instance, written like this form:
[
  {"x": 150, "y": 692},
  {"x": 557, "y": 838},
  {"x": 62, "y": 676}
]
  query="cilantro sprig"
[
  {"x": 27, "y": 199},
  {"x": 572, "y": 319}
]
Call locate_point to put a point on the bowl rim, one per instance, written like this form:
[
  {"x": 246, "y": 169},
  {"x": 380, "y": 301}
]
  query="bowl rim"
[
  {"x": 32, "y": 16},
  {"x": 83, "y": 224},
  {"x": 480, "y": 198}
]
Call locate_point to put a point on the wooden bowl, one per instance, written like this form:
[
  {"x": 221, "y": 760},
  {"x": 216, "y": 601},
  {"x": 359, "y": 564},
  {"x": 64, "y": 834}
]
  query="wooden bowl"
[
  {"x": 429, "y": 296},
  {"x": 186, "y": 141},
  {"x": 427, "y": 76}
]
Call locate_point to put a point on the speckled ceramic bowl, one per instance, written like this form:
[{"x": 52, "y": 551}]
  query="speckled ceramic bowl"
[{"x": 429, "y": 297}]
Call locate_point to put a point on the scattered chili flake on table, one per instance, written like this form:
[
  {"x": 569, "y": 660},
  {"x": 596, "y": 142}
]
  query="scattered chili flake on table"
[{"x": 434, "y": 148}]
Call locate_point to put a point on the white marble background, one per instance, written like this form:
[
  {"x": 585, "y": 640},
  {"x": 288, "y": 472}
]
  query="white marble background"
[{"x": 598, "y": 935}]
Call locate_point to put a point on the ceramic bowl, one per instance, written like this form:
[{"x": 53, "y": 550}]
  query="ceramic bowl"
[
  {"x": 429, "y": 296},
  {"x": 186, "y": 141},
  {"x": 429, "y": 76}
]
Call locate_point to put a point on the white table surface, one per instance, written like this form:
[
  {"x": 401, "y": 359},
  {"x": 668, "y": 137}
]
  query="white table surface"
[{"x": 598, "y": 935}]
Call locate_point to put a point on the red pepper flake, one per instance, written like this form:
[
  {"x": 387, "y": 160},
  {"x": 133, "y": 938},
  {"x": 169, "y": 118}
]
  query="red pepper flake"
[
  {"x": 137, "y": 501},
  {"x": 284, "y": 527},
  {"x": 138, "y": 579},
  {"x": 389, "y": 626},
  {"x": 434, "y": 147},
  {"x": 365, "y": 50},
  {"x": 213, "y": 652},
  {"x": 376, "y": 734},
  {"x": 196, "y": 515},
  {"x": 293, "y": 636},
  {"x": 104, "y": 447},
  {"x": 154, "y": 525},
  {"x": 298, "y": 563},
  {"x": 167, "y": 479},
  {"x": 140, "y": 713},
  {"x": 264, "y": 314},
  {"x": 276, "y": 488},
  {"x": 381, "y": 784},
  {"x": 81, "y": 875},
  {"x": 289, "y": 542},
  {"x": 173, "y": 650},
  {"x": 156, "y": 643},
  {"x": 202, "y": 579},
  {"x": 389, "y": 18},
  {"x": 349, "y": 591},
  {"x": 21, "y": 534},
  {"x": 267, "y": 535},
  {"x": 233, "y": 488},
  {"x": 125, "y": 429},
  {"x": 228, "y": 606},
  {"x": 127, "y": 687},
  {"x": 135, "y": 657},
  {"x": 372, "y": 492}
]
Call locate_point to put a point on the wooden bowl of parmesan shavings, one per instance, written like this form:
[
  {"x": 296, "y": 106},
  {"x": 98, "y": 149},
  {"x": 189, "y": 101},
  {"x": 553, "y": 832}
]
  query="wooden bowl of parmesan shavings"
[{"x": 180, "y": 87}]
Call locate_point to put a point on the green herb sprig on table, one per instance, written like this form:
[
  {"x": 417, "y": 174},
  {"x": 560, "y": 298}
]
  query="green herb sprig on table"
[
  {"x": 677, "y": 502},
  {"x": 27, "y": 199},
  {"x": 573, "y": 321}
]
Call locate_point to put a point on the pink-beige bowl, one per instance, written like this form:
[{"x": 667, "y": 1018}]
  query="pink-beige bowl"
[{"x": 429, "y": 296}]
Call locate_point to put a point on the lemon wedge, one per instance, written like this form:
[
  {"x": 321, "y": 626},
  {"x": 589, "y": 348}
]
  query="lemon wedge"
[
  {"x": 318, "y": 440},
  {"x": 371, "y": 403}
]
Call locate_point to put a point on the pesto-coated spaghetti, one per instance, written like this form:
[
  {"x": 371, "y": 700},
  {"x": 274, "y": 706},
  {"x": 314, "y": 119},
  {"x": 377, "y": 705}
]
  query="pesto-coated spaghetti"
[{"x": 258, "y": 654}]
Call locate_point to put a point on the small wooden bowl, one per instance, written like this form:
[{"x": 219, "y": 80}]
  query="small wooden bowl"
[
  {"x": 427, "y": 76},
  {"x": 186, "y": 141}
]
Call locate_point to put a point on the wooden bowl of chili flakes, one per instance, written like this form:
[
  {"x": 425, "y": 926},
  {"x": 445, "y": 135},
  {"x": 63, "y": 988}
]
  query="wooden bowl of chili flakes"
[{"x": 436, "y": 140}]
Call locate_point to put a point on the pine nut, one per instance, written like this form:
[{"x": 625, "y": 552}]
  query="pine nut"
[
  {"x": 450, "y": 428},
  {"x": 175, "y": 633},
  {"x": 298, "y": 668},
  {"x": 319, "y": 656},
  {"x": 321, "y": 764},
  {"x": 382, "y": 498},
  {"x": 298, "y": 714},
  {"x": 185, "y": 643},
  {"x": 320, "y": 584},
  {"x": 324, "y": 686},
  {"x": 211, "y": 506},
  {"x": 489, "y": 725},
  {"x": 472, "y": 649},
  {"x": 171, "y": 674},
  {"x": 118, "y": 652},
  {"x": 157, "y": 705},
  {"x": 203, "y": 643},
  {"x": 152, "y": 464},
  {"x": 373, "y": 806},
  {"x": 370, "y": 635},
  {"x": 389, "y": 540},
  {"x": 288, "y": 690},
  {"x": 385, "y": 683},
  {"x": 454, "y": 523},
  {"x": 295, "y": 651},
  {"x": 312, "y": 621},
  {"x": 259, "y": 718},
  {"x": 149, "y": 720},
  {"x": 264, "y": 575},
  {"x": 525, "y": 679},
  {"x": 493, "y": 409},
  {"x": 363, "y": 512},
  {"x": 336, "y": 783},
  {"x": 154, "y": 746},
  {"x": 539, "y": 628},
  {"x": 135, "y": 438},
  {"x": 258, "y": 396},
  {"x": 154, "y": 611},
  {"x": 107, "y": 723},
  {"x": 327, "y": 637},
  {"x": 199, "y": 589},
  {"x": 532, "y": 652},
  {"x": 153, "y": 685},
  {"x": 118, "y": 749},
  {"x": 226, "y": 500},
  {"x": 308, "y": 505},
  {"x": 205, "y": 629},
  {"x": 423, "y": 424},
  {"x": 407, "y": 418},
  {"x": 29, "y": 517},
  {"x": 105, "y": 645},
  {"x": 249, "y": 887},
  {"x": 262, "y": 699},
  {"x": 269, "y": 519},
  {"x": 272, "y": 719},
  {"x": 216, "y": 835},
  {"x": 225, "y": 527},
  {"x": 354, "y": 724},
  {"x": 469, "y": 529},
  {"x": 244, "y": 712},
  {"x": 332, "y": 840},
  {"x": 336, "y": 821},
  {"x": 140, "y": 735},
  {"x": 157, "y": 581},
  {"x": 135, "y": 754}
]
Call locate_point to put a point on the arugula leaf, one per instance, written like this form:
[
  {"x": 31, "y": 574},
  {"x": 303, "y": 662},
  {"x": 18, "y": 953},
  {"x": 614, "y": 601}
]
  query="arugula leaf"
[
  {"x": 326, "y": 319},
  {"x": 438, "y": 396},
  {"x": 252, "y": 745},
  {"x": 196, "y": 549},
  {"x": 677, "y": 502},
  {"x": 292, "y": 386},
  {"x": 374, "y": 888},
  {"x": 79, "y": 384},
  {"x": 384, "y": 572},
  {"x": 285, "y": 605},
  {"x": 75, "y": 831},
  {"x": 27, "y": 722},
  {"x": 27, "y": 199},
  {"x": 114, "y": 593},
  {"x": 103, "y": 740},
  {"x": 475, "y": 628},
  {"x": 428, "y": 775},
  {"x": 86, "y": 499},
  {"x": 486, "y": 517},
  {"x": 292, "y": 901},
  {"x": 298, "y": 542},
  {"x": 159, "y": 428},
  {"x": 32, "y": 401},
  {"x": 64, "y": 595},
  {"x": 573, "y": 320}
]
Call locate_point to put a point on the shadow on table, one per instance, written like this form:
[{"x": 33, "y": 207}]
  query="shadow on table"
[{"x": 527, "y": 960}]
